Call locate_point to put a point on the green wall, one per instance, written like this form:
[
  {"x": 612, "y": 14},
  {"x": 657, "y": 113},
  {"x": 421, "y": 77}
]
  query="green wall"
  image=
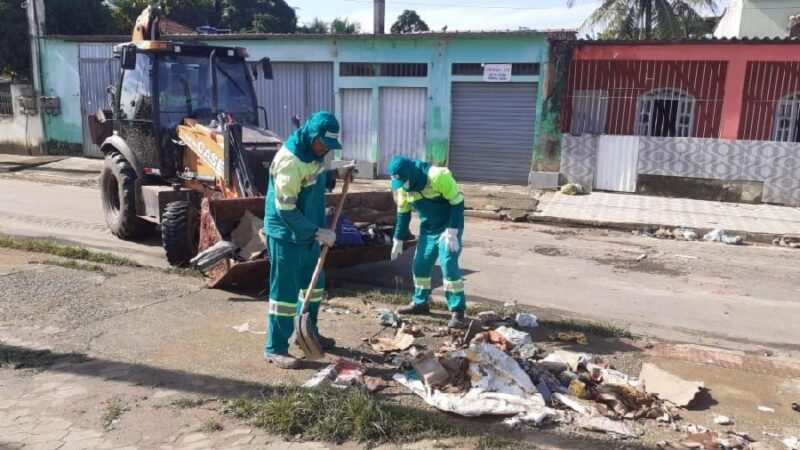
[{"x": 60, "y": 72}]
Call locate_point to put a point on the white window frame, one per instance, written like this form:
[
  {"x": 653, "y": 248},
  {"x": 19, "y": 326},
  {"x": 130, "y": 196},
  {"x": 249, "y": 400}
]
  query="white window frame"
[
  {"x": 787, "y": 109},
  {"x": 589, "y": 112},
  {"x": 646, "y": 103}
]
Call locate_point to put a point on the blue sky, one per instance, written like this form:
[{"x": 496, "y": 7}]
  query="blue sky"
[{"x": 456, "y": 14}]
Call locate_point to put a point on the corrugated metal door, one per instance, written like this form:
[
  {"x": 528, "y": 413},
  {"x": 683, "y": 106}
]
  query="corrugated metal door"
[
  {"x": 98, "y": 69},
  {"x": 617, "y": 162},
  {"x": 401, "y": 130},
  {"x": 491, "y": 132},
  {"x": 356, "y": 124},
  {"x": 296, "y": 88}
]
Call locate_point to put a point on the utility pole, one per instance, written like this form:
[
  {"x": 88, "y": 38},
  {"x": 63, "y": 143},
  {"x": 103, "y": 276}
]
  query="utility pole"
[
  {"x": 379, "y": 16},
  {"x": 35, "y": 12}
]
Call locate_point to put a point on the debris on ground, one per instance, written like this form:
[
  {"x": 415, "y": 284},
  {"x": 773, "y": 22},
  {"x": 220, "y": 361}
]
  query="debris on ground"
[
  {"x": 792, "y": 443},
  {"x": 723, "y": 420},
  {"x": 388, "y": 318},
  {"x": 719, "y": 235},
  {"x": 788, "y": 240},
  {"x": 514, "y": 337},
  {"x": 606, "y": 425},
  {"x": 668, "y": 386},
  {"x": 572, "y": 336},
  {"x": 400, "y": 342},
  {"x": 249, "y": 237},
  {"x": 527, "y": 320},
  {"x": 374, "y": 384},
  {"x": 342, "y": 373},
  {"x": 573, "y": 189},
  {"x": 245, "y": 328},
  {"x": 489, "y": 317},
  {"x": 641, "y": 257},
  {"x": 707, "y": 439},
  {"x": 766, "y": 409}
]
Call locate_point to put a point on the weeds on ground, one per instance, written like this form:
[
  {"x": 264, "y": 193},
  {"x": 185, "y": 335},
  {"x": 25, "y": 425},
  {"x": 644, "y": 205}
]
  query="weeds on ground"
[
  {"x": 72, "y": 264},
  {"x": 113, "y": 412},
  {"x": 189, "y": 402},
  {"x": 337, "y": 415},
  {"x": 599, "y": 329},
  {"x": 25, "y": 359},
  {"x": 211, "y": 425},
  {"x": 184, "y": 272},
  {"x": 500, "y": 443},
  {"x": 64, "y": 251}
]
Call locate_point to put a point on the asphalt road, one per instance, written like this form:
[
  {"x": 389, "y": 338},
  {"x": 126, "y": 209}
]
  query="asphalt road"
[{"x": 737, "y": 297}]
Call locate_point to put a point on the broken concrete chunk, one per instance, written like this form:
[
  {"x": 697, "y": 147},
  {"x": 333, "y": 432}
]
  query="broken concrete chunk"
[
  {"x": 606, "y": 425},
  {"x": 489, "y": 317},
  {"x": 668, "y": 386}
]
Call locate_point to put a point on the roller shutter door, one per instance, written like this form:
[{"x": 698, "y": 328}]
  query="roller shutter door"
[{"x": 491, "y": 132}]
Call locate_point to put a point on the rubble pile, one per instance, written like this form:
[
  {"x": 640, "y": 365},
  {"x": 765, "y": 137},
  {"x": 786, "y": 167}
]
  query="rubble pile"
[{"x": 687, "y": 234}]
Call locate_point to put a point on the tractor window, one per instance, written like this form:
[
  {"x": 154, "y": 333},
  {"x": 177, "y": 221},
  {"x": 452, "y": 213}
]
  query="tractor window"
[
  {"x": 135, "y": 100},
  {"x": 184, "y": 86}
]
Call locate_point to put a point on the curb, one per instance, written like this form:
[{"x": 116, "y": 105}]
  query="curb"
[{"x": 751, "y": 237}]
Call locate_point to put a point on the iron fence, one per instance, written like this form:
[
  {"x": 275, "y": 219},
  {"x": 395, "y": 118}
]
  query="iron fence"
[
  {"x": 647, "y": 98},
  {"x": 771, "y": 102},
  {"x": 6, "y": 106}
]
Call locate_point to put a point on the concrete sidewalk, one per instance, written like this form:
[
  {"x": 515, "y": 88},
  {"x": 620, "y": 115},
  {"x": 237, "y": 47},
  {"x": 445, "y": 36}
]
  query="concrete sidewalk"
[{"x": 631, "y": 211}]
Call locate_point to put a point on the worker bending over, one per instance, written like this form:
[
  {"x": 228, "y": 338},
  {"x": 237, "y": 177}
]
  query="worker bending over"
[
  {"x": 295, "y": 227},
  {"x": 434, "y": 194}
]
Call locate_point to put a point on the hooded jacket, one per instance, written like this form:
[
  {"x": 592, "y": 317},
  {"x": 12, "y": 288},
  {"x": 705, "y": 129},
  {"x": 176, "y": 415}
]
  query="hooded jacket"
[
  {"x": 295, "y": 204},
  {"x": 432, "y": 192}
]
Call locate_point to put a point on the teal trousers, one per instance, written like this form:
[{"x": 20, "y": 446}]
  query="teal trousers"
[
  {"x": 291, "y": 268},
  {"x": 428, "y": 250}
]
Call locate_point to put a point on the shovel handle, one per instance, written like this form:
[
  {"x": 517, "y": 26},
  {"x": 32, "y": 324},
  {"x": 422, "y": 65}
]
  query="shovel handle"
[{"x": 325, "y": 248}]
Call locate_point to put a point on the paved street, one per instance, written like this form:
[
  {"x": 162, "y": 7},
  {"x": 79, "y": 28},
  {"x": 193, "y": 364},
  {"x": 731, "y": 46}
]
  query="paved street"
[{"x": 741, "y": 297}]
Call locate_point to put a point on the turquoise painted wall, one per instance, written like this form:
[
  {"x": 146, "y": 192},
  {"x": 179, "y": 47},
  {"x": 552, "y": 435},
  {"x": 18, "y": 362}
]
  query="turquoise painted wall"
[
  {"x": 439, "y": 52},
  {"x": 60, "y": 78}
]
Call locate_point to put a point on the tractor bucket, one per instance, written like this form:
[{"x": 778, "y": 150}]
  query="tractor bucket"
[{"x": 219, "y": 217}]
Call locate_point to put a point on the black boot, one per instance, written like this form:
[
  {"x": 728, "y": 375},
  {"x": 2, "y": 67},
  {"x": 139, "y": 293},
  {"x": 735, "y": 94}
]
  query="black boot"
[
  {"x": 414, "y": 308},
  {"x": 457, "y": 320}
]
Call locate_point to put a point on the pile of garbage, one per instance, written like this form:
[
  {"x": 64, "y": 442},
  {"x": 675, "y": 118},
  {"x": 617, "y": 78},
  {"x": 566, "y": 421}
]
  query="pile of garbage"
[
  {"x": 687, "y": 234},
  {"x": 495, "y": 369}
]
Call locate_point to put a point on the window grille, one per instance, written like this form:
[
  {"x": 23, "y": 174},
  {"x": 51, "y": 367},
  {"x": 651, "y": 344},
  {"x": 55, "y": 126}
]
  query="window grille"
[
  {"x": 665, "y": 112},
  {"x": 383, "y": 70}
]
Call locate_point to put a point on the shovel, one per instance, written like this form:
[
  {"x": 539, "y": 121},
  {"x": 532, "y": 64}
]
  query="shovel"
[{"x": 306, "y": 336}]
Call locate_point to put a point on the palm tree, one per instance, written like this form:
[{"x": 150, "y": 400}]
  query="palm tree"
[{"x": 646, "y": 19}]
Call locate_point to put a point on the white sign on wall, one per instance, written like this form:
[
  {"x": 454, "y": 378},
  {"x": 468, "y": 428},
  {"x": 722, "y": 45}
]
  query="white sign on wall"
[{"x": 497, "y": 73}]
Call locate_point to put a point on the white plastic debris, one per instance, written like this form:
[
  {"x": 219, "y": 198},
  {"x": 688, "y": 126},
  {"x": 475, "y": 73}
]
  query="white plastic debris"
[
  {"x": 243, "y": 328},
  {"x": 606, "y": 425},
  {"x": 722, "y": 420},
  {"x": 732, "y": 240},
  {"x": 527, "y": 320},
  {"x": 342, "y": 373},
  {"x": 714, "y": 235},
  {"x": 514, "y": 337},
  {"x": 766, "y": 409},
  {"x": 554, "y": 363},
  {"x": 492, "y": 370},
  {"x": 615, "y": 377},
  {"x": 792, "y": 443},
  {"x": 478, "y": 402},
  {"x": 688, "y": 234}
]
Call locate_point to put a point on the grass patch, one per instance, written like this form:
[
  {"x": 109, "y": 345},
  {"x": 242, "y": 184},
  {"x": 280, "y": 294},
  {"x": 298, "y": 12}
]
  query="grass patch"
[
  {"x": 210, "y": 426},
  {"x": 113, "y": 412},
  {"x": 189, "y": 402},
  {"x": 599, "y": 329},
  {"x": 184, "y": 272},
  {"x": 501, "y": 443},
  {"x": 337, "y": 415},
  {"x": 12, "y": 358},
  {"x": 64, "y": 251},
  {"x": 72, "y": 264}
]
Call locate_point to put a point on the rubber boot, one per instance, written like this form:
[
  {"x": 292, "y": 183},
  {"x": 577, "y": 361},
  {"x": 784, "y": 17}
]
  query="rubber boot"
[
  {"x": 457, "y": 320},
  {"x": 415, "y": 308},
  {"x": 283, "y": 360}
]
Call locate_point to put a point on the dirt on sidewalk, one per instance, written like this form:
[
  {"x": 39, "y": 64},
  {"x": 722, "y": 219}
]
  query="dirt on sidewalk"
[{"x": 103, "y": 356}]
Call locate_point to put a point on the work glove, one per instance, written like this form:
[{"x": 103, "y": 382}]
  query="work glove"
[
  {"x": 397, "y": 248},
  {"x": 450, "y": 239},
  {"x": 326, "y": 236},
  {"x": 348, "y": 170}
]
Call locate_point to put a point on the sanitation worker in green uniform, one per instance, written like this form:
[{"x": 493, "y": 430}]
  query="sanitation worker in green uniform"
[
  {"x": 295, "y": 227},
  {"x": 434, "y": 194}
]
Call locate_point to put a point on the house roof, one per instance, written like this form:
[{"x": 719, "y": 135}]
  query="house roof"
[{"x": 732, "y": 41}]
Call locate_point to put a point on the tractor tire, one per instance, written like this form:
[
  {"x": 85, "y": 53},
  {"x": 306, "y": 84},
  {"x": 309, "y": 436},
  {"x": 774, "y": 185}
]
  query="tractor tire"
[
  {"x": 118, "y": 195},
  {"x": 180, "y": 232}
]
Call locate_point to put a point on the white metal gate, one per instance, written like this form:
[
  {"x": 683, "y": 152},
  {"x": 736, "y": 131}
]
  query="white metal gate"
[
  {"x": 617, "y": 162},
  {"x": 295, "y": 88},
  {"x": 357, "y": 124},
  {"x": 402, "y": 125},
  {"x": 98, "y": 69}
]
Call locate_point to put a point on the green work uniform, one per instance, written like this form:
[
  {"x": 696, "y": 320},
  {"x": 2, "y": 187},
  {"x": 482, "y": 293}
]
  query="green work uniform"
[
  {"x": 295, "y": 210},
  {"x": 434, "y": 194}
]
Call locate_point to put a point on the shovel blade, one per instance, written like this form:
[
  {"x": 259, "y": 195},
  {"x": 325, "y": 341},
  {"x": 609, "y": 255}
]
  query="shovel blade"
[{"x": 307, "y": 338}]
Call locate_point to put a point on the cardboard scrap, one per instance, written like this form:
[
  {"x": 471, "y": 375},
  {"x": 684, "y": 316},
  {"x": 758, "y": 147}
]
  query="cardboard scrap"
[
  {"x": 668, "y": 386},
  {"x": 400, "y": 342}
]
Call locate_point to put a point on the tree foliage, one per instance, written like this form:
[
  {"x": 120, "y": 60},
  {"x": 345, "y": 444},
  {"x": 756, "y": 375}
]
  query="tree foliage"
[
  {"x": 14, "y": 46},
  {"x": 192, "y": 13},
  {"x": 649, "y": 19},
  {"x": 79, "y": 17},
  {"x": 262, "y": 16},
  {"x": 409, "y": 22},
  {"x": 344, "y": 26},
  {"x": 316, "y": 26}
]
